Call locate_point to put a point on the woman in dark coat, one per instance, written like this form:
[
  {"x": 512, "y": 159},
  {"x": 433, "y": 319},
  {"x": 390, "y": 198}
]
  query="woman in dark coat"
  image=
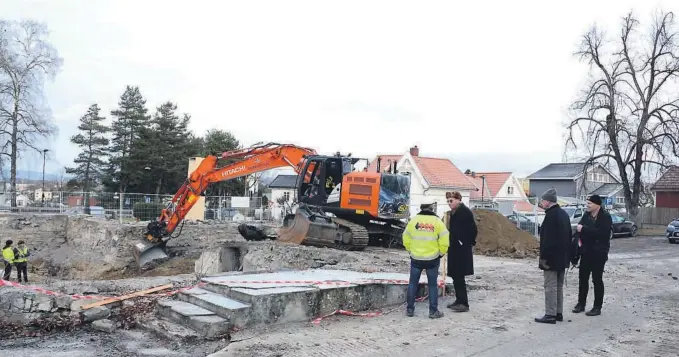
[{"x": 462, "y": 226}]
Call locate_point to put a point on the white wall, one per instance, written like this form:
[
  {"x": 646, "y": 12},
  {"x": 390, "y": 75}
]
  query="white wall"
[
  {"x": 277, "y": 211},
  {"x": 518, "y": 189}
]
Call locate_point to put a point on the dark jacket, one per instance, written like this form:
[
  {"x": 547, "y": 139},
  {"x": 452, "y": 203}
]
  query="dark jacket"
[
  {"x": 555, "y": 235},
  {"x": 463, "y": 231},
  {"x": 596, "y": 235}
]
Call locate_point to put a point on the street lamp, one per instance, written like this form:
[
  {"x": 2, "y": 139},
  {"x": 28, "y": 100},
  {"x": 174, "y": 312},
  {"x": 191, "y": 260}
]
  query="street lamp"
[{"x": 44, "y": 154}]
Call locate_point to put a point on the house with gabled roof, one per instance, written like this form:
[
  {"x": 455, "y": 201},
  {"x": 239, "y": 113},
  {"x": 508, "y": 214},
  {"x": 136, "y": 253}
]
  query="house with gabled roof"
[
  {"x": 431, "y": 178},
  {"x": 501, "y": 189},
  {"x": 578, "y": 180},
  {"x": 666, "y": 189}
]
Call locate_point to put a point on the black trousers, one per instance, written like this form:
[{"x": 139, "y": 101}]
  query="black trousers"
[
  {"x": 595, "y": 267},
  {"x": 22, "y": 268},
  {"x": 460, "y": 290},
  {"x": 8, "y": 271}
]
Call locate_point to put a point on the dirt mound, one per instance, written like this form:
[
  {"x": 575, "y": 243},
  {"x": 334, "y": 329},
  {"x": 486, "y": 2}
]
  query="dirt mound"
[{"x": 498, "y": 237}]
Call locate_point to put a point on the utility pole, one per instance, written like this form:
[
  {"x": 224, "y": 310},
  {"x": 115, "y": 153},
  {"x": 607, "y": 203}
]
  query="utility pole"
[{"x": 44, "y": 155}]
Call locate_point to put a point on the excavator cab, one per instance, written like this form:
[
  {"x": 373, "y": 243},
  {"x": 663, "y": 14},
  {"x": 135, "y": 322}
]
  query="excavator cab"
[{"x": 332, "y": 193}]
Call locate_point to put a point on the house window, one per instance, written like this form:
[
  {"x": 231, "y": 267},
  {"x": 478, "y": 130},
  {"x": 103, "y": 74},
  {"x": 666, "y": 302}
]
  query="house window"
[
  {"x": 286, "y": 196},
  {"x": 510, "y": 190},
  {"x": 620, "y": 200}
]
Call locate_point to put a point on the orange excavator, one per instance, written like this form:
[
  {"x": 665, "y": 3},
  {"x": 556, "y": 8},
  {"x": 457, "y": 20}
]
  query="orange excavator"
[{"x": 338, "y": 207}]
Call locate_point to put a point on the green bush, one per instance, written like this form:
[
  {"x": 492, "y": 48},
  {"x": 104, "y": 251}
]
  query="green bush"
[{"x": 147, "y": 211}]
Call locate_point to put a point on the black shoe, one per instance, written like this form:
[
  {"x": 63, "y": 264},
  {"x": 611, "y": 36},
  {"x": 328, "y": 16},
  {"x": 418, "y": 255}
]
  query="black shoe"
[
  {"x": 559, "y": 317},
  {"x": 596, "y": 311},
  {"x": 579, "y": 308},
  {"x": 460, "y": 308},
  {"x": 547, "y": 319},
  {"x": 410, "y": 313},
  {"x": 450, "y": 306},
  {"x": 436, "y": 315}
]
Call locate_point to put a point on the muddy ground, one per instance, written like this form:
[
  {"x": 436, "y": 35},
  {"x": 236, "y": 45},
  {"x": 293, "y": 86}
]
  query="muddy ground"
[{"x": 639, "y": 318}]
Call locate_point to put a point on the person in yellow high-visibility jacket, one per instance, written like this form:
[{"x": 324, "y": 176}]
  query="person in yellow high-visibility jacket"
[
  {"x": 21, "y": 254},
  {"x": 8, "y": 257},
  {"x": 426, "y": 239}
]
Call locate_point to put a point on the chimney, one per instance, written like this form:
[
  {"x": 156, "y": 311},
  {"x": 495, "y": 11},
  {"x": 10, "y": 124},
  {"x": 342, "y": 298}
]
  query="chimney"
[{"x": 414, "y": 151}]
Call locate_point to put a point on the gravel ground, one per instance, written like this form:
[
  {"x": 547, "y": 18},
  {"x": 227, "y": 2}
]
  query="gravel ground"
[
  {"x": 641, "y": 306},
  {"x": 639, "y": 314}
]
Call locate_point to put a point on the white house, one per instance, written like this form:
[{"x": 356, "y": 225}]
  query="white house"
[
  {"x": 282, "y": 187},
  {"x": 504, "y": 190},
  {"x": 430, "y": 177}
]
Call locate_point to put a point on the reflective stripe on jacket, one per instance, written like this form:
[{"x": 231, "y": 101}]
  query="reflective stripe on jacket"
[
  {"x": 426, "y": 237},
  {"x": 8, "y": 254},
  {"x": 22, "y": 257}
]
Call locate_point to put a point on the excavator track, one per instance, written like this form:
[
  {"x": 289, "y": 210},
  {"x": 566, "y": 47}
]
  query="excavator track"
[
  {"x": 310, "y": 227},
  {"x": 359, "y": 239}
]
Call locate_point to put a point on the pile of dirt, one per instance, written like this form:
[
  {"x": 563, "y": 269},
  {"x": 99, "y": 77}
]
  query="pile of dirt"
[{"x": 498, "y": 237}]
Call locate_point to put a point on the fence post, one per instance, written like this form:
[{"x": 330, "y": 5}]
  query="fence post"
[
  {"x": 120, "y": 209},
  {"x": 535, "y": 216}
]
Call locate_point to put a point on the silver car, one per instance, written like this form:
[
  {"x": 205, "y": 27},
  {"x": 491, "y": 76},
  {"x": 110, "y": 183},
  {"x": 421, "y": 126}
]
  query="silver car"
[{"x": 673, "y": 231}]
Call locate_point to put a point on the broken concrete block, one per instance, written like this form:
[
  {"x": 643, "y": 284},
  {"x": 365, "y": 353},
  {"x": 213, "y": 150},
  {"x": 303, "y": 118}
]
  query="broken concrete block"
[
  {"x": 76, "y": 305},
  {"x": 104, "y": 325},
  {"x": 45, "y": 303},
  {"x": 63, "y": 302},
  {"x": 95, "y": 313},
  {"x": 208, "y": 263}
]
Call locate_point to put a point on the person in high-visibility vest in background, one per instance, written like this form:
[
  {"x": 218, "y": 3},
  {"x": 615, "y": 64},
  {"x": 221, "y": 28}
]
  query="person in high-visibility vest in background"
[
  {"x": 426, "y": 239},
  {"x": 8, "y": 258},
  {"x": 21, "y": 254}
]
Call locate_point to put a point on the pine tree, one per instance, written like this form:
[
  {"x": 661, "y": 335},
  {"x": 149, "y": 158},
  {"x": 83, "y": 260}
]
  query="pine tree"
[
  {"x": 92, "y": 140},
  {"x": 130, "y": 117}
]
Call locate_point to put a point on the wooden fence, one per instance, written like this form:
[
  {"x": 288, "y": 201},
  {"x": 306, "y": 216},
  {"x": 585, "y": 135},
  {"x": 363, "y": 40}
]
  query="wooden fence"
[{"x": 657, "y": 215}]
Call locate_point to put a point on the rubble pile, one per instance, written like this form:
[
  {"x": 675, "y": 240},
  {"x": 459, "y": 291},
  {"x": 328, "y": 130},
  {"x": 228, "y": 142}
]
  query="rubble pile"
[{"x": 498, "y": 237}]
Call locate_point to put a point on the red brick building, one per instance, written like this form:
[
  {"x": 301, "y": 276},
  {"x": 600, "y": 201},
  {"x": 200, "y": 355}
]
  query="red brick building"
[{"x": 666, "y": 189}]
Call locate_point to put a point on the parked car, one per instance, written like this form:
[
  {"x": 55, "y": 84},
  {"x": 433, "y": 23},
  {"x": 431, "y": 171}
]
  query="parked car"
[
  {"x": 524, "y": 223},
  {"x": 623, "y": 226},
  {"x": 673, "y": 231}
]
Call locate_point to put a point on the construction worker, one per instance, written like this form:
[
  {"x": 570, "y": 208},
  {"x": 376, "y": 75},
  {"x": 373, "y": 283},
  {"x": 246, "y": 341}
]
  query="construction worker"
[
  {"x": 8, "y": 257},
  {"x": 426, "y": 239},
  {"x": 21, "y": 254}
]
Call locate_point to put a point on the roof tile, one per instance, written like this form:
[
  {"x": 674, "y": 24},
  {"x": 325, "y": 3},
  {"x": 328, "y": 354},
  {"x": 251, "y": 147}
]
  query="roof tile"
[
  {"x": 669, "y": 181},
  {"x": 439, "y": 173}
]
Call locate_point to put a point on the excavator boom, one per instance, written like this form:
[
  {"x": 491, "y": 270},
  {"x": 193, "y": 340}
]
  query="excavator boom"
[{"x": 250, "y": 160}]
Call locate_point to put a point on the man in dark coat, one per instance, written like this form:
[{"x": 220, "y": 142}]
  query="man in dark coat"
[
  {"x": 595, "y": 234},
  {"x": 462, "y": 227},
  {"x": 555, "y": 236}
]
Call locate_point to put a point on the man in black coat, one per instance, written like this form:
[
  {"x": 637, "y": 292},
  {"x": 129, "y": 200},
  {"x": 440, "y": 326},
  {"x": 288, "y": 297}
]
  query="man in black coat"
[
  {"x": 555, "y": 236},
  {"x": 462, "y": 227},
  {"x": 595, "y": 234}
]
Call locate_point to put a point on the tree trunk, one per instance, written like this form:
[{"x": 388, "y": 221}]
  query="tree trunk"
[{"x": 13, "y": 158}]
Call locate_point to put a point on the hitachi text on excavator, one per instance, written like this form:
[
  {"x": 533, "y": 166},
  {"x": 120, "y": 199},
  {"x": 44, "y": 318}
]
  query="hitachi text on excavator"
[{"x": 338, "y": 207}]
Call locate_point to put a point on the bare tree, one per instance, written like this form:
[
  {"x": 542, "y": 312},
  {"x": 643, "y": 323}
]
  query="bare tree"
[
  {"x": 25, "y": 58},
  {"x": 627, "y": 116}
]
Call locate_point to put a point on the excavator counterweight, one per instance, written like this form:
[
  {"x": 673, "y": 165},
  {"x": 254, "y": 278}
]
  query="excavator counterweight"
[{"x": 337, "y": 206}]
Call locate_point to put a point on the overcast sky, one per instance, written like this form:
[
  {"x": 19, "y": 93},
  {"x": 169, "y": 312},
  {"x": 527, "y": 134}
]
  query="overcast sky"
[{"x": 486, "y": 83}]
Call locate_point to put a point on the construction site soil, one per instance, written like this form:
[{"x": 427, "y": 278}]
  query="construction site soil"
[{"x": 498, "y": 237}]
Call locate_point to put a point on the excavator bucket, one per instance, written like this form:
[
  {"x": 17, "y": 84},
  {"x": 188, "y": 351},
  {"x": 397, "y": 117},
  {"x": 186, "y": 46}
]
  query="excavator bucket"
[
  {"x": 148, "y": 254},
  {"x": 295, "y": 228}
]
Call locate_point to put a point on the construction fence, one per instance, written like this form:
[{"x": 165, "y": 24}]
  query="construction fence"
[{"x": 128, "y": 207}]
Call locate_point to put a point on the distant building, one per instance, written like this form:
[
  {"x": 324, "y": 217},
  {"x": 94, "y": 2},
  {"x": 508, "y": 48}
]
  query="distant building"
[
  {"x": 666, "y": 189},
  {"x": 431, "y": 178},
  {"x": 572, "y": 180},
  {"x": 283, "y": 187}
]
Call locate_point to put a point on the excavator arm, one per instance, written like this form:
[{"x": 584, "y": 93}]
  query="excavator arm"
[{"x": 251, "y": 160}]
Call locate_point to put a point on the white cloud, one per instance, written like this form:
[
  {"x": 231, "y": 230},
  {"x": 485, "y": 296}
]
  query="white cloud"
[{"x": 363, "y": 77}]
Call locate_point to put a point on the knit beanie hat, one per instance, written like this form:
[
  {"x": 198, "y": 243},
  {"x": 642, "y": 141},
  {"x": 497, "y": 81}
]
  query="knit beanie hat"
[
  {"x": 596, "y": 199},
  {"x": 550, "y": 195}
]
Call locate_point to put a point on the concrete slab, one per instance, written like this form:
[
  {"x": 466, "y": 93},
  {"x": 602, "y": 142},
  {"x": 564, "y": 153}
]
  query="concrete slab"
[
  {"x": 188, "y": 309},
  {"x": 234, "y": 311}
]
